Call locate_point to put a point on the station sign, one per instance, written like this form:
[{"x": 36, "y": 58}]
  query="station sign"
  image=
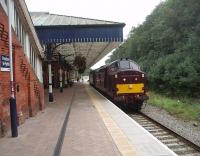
[{"x": 4, "y": 63}]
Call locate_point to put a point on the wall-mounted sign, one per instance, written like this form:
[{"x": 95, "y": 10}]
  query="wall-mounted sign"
[{"x": 5, "y": 63}]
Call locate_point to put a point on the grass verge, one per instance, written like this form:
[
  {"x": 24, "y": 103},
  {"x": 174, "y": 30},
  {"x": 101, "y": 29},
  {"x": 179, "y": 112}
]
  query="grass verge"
[{"x": 184, "y": 108}]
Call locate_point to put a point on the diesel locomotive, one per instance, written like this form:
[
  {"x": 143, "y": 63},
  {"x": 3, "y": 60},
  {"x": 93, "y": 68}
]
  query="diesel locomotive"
[{"x": 122, "y": 81}]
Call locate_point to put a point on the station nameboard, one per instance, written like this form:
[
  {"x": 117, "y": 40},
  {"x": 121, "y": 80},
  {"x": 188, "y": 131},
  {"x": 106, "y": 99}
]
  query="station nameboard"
[{"x": 5, "y": 63}]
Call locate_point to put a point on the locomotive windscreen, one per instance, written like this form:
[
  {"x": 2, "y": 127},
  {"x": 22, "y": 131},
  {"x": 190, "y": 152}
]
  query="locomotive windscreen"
[
  {"x": 134, "y": 66},
  {"x": 125, "y": 64}
]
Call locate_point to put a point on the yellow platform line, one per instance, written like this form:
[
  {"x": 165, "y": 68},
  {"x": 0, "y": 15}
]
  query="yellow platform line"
[{"x": 118, "y": 136}]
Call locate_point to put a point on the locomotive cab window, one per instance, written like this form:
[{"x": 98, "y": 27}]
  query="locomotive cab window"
[
  {"x": 134, "y": 66},
  {"x": 114, "y": 66},
  {"x": 124, "y": 64}
]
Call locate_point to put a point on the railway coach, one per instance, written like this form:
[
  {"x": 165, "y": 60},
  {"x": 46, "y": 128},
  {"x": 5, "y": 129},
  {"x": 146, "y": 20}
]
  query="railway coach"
[{"x": 123, "y": 81}]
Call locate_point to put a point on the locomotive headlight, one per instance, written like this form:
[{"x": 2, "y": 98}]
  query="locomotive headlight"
[
  {"x": 142, "y": 75},
  {"x": 124, "y": 79},
  {"x": 115, "y": 75}
]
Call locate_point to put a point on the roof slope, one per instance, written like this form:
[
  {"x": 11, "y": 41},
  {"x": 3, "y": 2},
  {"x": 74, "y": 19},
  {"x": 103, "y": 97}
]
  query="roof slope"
[{"x": 47, "y": 19}]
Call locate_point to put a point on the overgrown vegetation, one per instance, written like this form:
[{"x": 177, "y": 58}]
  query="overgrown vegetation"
[
  {"x": 167, "y": 47},
  {"x": 80, "y": 64},
  {"x": 187, "y": 109}
]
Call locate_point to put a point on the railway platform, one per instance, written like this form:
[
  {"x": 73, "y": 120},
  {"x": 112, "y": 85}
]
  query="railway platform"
[{"x": 82, "y": 122}]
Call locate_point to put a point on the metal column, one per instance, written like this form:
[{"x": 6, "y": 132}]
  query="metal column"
[
  {"x": 60, "y": 79},
  {"x": 66, "y": 84},
  {"x": 50, "y": 83},
  {"x": 49, "y": 58}
]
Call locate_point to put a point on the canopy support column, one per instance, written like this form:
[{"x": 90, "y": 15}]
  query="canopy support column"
[
  {"x": 60, "y": 79},
  {"x": 66, "y": 85},
  {"x": 50, "y": 83},
  {"x": 49, "y": 58}
]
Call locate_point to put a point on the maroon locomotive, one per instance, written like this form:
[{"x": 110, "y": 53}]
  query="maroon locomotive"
[{"x": 123, "y": 81}]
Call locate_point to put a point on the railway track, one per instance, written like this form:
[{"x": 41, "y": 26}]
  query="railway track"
[
  {"x": 171, "y": 139},
  {"x": 176, "y": 143}
]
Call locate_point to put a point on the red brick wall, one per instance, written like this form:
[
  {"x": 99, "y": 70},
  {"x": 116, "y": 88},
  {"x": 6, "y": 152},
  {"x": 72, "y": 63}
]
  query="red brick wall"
[{"x": 28, "y": 90}]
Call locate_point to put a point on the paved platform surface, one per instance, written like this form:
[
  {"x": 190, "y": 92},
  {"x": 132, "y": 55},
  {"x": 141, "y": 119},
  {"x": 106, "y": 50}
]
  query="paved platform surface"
[
  {"x": 39, "y": 134},
  {"x": 95, "y": 127},
  {"x": 86, "y": 134}
]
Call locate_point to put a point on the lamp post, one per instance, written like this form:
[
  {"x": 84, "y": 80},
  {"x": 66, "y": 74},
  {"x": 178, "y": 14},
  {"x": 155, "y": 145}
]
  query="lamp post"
[{"x": 13, "y": 107}]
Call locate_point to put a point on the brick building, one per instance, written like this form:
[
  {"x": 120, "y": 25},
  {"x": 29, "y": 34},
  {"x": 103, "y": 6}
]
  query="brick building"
[{"x": 27, "y": 58}]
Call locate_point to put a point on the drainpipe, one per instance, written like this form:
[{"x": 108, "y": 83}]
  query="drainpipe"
[{"x": 13, "y": 107}]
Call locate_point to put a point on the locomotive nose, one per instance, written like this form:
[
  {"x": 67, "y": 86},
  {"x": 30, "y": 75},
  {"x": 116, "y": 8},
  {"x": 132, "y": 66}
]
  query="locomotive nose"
[
  {"x": 130, "y": 77},
  {"x": 130, "y": 82}
]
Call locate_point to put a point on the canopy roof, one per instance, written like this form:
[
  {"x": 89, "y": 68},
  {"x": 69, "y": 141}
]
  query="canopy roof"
[
  {"x": 47, "y": 19},
  {"x": 90, "y": 38}
]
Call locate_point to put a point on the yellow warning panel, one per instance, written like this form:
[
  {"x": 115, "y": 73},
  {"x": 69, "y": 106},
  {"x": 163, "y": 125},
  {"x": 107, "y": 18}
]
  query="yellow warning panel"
[{"x": 130, "y": 88}]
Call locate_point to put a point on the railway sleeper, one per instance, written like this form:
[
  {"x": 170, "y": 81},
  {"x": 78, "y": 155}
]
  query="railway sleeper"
[
  {"x": 155, "y": 130},
  {"x": 157, "y": 134},
  {"x": 142, "y": 122},
  {"x": 183, "y": 151},
  {"x": 140, "y": 119},
  {"x": 168, "y": 137},
  {"x": 175, "y": 146},
  {"x": 147, "y": 124},
  {"x": 136, "y": 116},
  {"x": 148, "y": 127},
  {"x": 189, "y": 154},
  {"x": 174, "y": 140}
]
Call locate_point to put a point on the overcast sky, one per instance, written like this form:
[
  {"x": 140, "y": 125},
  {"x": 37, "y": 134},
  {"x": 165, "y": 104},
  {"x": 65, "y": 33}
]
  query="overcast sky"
[{"x": 131, "y": 12}]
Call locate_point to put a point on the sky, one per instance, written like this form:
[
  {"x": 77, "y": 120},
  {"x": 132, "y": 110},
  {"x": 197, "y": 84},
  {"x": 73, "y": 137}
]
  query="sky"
[{"x": 130, "y": 12}]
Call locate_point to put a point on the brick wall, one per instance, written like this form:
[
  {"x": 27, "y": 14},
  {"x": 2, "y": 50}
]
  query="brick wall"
[{"x": 28, "y": 90}]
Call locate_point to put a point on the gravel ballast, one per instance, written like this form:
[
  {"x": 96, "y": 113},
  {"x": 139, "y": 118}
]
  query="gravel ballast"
[{"x": 188, "y": 129}]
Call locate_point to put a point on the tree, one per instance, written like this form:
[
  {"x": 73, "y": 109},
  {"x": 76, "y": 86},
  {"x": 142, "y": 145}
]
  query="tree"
[{"x": 167, "y": 47}]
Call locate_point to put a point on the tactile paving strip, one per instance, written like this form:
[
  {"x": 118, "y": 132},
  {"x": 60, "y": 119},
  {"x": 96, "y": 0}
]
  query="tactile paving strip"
[{"x": 119, "y": 138}]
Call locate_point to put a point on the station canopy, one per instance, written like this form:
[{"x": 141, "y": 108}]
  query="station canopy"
[{"x": 76, "y": 36}]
